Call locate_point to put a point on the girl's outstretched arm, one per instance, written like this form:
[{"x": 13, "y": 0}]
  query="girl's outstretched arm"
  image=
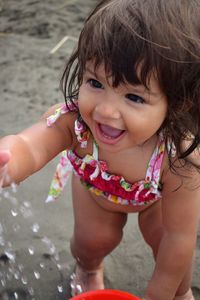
[
  {"x": 180, "y": 215},
  {"x": 25, "y": 153}
]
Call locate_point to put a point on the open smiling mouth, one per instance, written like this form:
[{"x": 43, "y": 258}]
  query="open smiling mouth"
[{"x": 108, "y": 134}]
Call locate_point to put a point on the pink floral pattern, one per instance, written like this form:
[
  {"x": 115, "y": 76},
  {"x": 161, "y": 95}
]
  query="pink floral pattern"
[{"x": 95, "y": 176}]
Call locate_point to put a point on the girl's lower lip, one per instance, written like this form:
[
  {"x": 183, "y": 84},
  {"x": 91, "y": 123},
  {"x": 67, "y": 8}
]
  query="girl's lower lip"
[{"x": 104, "y": 139}]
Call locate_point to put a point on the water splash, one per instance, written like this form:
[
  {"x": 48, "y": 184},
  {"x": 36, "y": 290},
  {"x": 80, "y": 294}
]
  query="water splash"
[{"x": 12, "y": 269}]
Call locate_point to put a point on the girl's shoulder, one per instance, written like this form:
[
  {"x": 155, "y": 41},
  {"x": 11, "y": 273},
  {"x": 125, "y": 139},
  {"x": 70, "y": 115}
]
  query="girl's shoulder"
[
  {"x": 62, "y": 118},
  {"x": 182, "y": 173}
]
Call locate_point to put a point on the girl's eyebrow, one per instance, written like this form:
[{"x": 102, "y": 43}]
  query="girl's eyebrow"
[
  {"x": 141, "y": 89},
  {"x": 95, "y": 74}
]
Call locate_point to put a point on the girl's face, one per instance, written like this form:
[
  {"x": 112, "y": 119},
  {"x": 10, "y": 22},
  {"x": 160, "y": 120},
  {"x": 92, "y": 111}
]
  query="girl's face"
[{"x": 120, "y": 118}]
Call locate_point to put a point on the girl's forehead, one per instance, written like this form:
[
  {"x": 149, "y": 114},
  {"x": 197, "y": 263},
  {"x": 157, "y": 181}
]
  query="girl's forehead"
[{"x": 96, "y": 69}]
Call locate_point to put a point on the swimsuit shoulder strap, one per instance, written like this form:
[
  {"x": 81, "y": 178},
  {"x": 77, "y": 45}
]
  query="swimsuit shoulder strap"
[{"x": 63, "y": 109}]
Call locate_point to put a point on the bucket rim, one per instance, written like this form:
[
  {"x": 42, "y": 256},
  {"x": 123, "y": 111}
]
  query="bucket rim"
[{"x": 106, "y": 292}]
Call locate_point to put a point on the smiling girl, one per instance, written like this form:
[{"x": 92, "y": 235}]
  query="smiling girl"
[{"x": 130, "y": 129}]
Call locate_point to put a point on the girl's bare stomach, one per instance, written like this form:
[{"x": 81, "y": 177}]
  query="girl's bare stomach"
[{"x": 115, "y": 207}]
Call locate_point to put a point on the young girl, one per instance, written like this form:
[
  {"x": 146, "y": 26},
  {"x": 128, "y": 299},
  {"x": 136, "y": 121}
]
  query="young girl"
[{"x": 131, "y": 127}]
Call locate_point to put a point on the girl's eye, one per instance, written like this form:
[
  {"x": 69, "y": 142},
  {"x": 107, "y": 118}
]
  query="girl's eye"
[
  {"x": 95, "y": 84},
  {"x": 135, "y": 98}
]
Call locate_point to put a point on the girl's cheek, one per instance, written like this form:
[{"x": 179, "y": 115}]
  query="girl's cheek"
[{"x": 83, "y": 91}]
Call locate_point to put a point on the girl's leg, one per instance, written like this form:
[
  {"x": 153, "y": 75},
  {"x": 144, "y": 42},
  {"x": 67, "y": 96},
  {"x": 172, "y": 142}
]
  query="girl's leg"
[
  {"x": 151, "y": 226},
  {"x": 96, "y": 233}
]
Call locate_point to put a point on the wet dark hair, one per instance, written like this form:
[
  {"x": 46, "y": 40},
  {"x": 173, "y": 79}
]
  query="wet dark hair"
[{"x": 160, "y": 36}]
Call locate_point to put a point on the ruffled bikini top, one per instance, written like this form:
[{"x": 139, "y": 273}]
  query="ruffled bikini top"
[{"x": 94, "y": 173}]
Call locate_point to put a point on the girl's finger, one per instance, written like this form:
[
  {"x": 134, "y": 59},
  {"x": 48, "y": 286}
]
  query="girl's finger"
[{"x": 4, "y": 157}]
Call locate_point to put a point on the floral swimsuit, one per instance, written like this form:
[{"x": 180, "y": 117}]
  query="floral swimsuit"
[{"x": 94, "y": 173}]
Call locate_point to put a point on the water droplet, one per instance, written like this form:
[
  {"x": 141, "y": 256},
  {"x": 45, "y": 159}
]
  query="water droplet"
[
  {"x": 42, "y": 265},
  {"x": 46, "y": 240},
  {"x": 17, "y": 275},
  {"x": 2, "y": 241},
  {"x": 10, "y": 254},
  {"x": 52, "y": 249},
  {"x": 24, "y": 280},
  {"x": 36, "y": 274},
  {"x": 56, "y": 256},
  {"x": 10, "y": 269},
  {"x": 50, "y": 245},
  {"x": 31, "y": 250},
  {"x": 35, "y": 228},
  {"x": 14, "y": 212},
  {"x": 16, "y": 295},
  {"x": 14, "y": 187},
  {"x": 15, "y": 227},
  {"x": 60, "y": 288},
  {"x": 26, "y": 212},
  {"x": 79, "y": 288},
  {"x": 9, "y": 244},
  {"x": 20, "y": 267},
  {"x": 1, "y": 228},
  {"x": 31, "y": 291},
  {"x": 27, "y": 204},
  {"x": 9, "y": 276},
  {"x": 6, "y": 194},
  {"x": 3, "y": 282},
  {"x": 13, "y": 200}
]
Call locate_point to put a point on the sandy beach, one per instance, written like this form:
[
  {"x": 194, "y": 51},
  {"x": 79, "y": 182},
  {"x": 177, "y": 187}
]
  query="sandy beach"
[{"x": 35, "y": 260}]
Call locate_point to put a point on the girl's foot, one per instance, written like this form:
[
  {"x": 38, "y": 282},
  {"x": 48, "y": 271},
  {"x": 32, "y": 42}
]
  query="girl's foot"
[
  {"x": 82, "y": 280},
  {"x": 186, "y": 296}
]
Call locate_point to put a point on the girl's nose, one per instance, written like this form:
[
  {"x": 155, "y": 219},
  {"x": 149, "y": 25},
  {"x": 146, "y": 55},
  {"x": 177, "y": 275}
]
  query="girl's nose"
[{"x": 108, "y": 110}]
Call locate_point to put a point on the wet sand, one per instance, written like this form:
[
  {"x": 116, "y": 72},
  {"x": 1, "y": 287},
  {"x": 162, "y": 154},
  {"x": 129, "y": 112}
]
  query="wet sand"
[{"x": 35, "y": 261}]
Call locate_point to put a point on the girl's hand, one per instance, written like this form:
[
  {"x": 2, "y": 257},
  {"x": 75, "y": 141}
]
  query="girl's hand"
[{"x": 4, "y": 158}]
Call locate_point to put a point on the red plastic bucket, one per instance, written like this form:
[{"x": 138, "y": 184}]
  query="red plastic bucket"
[{"x": 105, "y": 295}]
